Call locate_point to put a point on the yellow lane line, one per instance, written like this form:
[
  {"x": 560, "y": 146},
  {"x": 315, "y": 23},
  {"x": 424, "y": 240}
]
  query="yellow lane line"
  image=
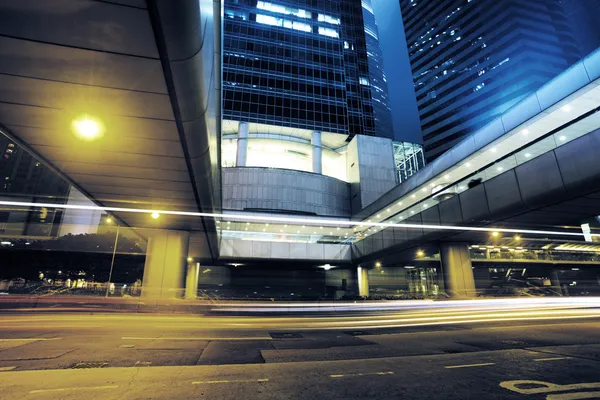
[
  {"x": 30, "y": 339},
  {"x": 7, "y": 368},
  {"x": 468, "y": 365},
  {"x": 230, "y": 381},
  {"x": 75, "y": 388},
  {"x": 551, "y": 358},
  {"x": 361, "y": 374}
]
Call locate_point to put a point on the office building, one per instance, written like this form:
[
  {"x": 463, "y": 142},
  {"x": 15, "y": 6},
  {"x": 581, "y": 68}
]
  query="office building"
[
  {"x": 472, "y": 60},
  {"x": 313, "y": 65}
]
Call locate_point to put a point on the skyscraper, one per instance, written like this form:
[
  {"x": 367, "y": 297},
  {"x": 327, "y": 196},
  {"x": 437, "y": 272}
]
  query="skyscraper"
[
  {"x": 309, "y": 64},
  {"x": 471, "y": 60}
]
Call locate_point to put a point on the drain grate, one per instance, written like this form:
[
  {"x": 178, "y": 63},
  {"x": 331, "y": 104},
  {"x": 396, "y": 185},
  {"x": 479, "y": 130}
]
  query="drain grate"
[
  {"x": 286, "y": 335},
  {"x": 89, "y": 364}
]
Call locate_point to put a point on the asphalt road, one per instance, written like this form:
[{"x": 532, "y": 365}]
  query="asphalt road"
[{"x": 418, "y": 354}]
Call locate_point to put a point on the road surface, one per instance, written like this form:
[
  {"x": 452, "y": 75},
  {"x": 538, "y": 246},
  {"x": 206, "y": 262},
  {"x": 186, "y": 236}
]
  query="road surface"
[{"x": 458, "y": 353}]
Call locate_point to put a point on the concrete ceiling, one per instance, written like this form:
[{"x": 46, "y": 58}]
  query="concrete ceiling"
[{"x": 60, "y": 59}]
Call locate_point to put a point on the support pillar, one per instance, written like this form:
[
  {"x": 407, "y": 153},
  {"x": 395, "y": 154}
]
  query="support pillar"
[
  {"x": 165, "y": 264},
  {"x": 363, "y": 282},
  {"x": 317, "y": 157},
  {"x": 555, "y": 281},
  {"x": 457, "y": 270},
  {"x": 191, "y": 280},
  {"x": 242, "y": 145}
]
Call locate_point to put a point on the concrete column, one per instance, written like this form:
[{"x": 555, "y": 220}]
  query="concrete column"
[
  {"x": 317, "y": 152},
  {"x": 363, "y": 282},
  {"x": 555, "y": 281},
  {"x": 242, "y": 145},
  {"x": 457, "y": 270},
  {"x": 165, "y": 264},
  {"x": 191, "y": 280}
]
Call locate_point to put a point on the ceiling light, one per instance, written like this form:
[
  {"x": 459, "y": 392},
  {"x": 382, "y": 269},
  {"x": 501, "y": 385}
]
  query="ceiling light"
[
  {"x": 563, "y": 138},
  {"x": 412, "y": 212},
  {"x": 377, "y": 264},
  {"x": 247, "y": 223},
  {"x": 517, "y": 237},
  {"x": 566, "y": 108},
  {"x": 266, "y": 224},
  {"x": 446, "y": 176},
  {"x": 399, "y": 203},
  {"x": 108, "y": 220},
  {"x": 378, "y": 216},
  {"x": 413, "y": 196},
  {"x": 420, "y": 253},
  {"x": 388, "y": 210},
  {"x": 493, "y": 150},
  {"x": 87, "y": 128},
  {"x": 190, "y": 259},
  {"x": 499, "y": 169},
  {"x": 525, "y": 131},
  {"x": 467, "y": 165},
  {"x": 527, "y": 155},
  {"x": 495, "y": 234}
]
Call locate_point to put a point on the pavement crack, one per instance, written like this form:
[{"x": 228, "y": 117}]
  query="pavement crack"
[{"x": 135, "y": 374}]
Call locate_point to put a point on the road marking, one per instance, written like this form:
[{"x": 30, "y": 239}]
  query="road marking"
[
  {"x": 127, "y": 346},
  {"x": 546, "y": 387},
  {"x": 143, "y": 364},
  {"x": 468, "y": 365},
  {"x": 30, "y": 339},
  {"x": 231, "y": 381},
  {"x": 551, "y": 358},
  {"x": 7, "y": 368},
  {"x": 361, "y": 374},
  {"x": 75, "y": 388},
  {"x": 198, "y": 338},
  {"x": 574, "y": 396}
]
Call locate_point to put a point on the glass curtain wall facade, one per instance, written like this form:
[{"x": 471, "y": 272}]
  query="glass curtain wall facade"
[
  {"x": 377, "y": 79},
  {"x": 472, "y": 59},
  {"x": 299, "y": 63}
]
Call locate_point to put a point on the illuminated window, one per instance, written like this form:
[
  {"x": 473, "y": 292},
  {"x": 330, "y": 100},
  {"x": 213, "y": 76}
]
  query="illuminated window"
[
  {"x": 268, "y": 20},
  {"x": 329, "y": 19},
  {"x": 346, "y": 45},
  {"x": 363, "y": 81},
  {"x": 328, "y": 32},
  {"x": 263, "y": 5}
]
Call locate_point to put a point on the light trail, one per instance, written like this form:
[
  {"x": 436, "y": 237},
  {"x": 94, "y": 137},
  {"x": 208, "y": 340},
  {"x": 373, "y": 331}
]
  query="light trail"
[{"x": 295, "y": 221}]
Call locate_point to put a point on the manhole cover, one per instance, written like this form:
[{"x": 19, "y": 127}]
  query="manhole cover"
[
  {"x": 285, "y": 335},
  {"x": 89, "y": 364}
]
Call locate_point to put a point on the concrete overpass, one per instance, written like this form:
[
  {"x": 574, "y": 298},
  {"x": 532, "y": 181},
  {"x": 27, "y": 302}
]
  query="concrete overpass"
[{"x": 149, "y": 71}]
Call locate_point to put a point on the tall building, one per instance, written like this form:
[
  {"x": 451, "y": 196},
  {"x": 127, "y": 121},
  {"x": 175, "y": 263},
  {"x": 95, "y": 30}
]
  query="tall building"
[
  {"x": 583, "y": 17},
  {"x": 307, "y": 64},
  {"x": 472, "y": 59}
]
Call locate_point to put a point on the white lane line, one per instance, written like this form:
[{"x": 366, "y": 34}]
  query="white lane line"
[
  {"x": 198, "y": 338},
  {"x": 230, "y": 381},
  {"x": 468, "y": 365},
  {"x": 551, "y": 358},
  {"x": 7, "y": 368},
  {"x": 143, "y": 363},
  {"x": 74, "y": 388},
  {"x": 127, "y": 346},
  {"x": 361, "y": 374}
]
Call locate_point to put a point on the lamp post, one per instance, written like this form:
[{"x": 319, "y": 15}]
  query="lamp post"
[{"x": 112, "y": 261}]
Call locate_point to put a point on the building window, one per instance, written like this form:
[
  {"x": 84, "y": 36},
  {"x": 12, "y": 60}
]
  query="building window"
[
  {"x": 263, "y": 5},
  {"x": 329, "y": 19},
  {"x": 328, "y": 32},
  {"x": 363, "y": 81}
]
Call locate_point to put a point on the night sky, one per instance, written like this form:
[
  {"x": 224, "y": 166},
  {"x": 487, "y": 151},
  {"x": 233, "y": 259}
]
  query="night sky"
[{"x": 397, "y": 69}]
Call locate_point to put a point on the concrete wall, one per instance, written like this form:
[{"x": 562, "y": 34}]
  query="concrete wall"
[
  {"x": 239, "y": 249},
  {"x": 370, "y": 169},
  {"x": 260, "y": 188}
]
